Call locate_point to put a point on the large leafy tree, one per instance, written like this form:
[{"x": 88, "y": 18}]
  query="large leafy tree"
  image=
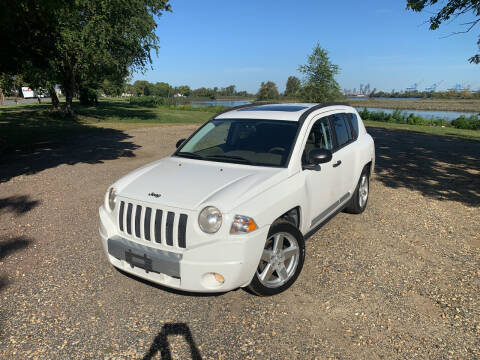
[
  {"x": 142, "y": 87},
  {"x": 163, "y": 89},
  {"x": 268, "y": 91},
  {"x": 28, "y": 29},
  {"x": 88, "y": 40},
  {"x": 319, "y": 84},
  {"x": 293, "y": 86},
  {"x": 448, "y": 10},
  {"x": 183, "y": 90}
]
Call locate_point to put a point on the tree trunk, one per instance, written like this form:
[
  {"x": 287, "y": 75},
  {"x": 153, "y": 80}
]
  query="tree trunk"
[
  {"x": 1, "y": 96},
  {"x": 54, "y": 97},
  {"x": 68, "y": 87}
]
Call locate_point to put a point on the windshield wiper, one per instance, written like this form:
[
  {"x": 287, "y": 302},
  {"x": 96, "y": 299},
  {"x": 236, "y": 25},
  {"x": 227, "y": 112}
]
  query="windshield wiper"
[
  {"x": 229, "y": 157},
  {"x": 189, "y": 155}
]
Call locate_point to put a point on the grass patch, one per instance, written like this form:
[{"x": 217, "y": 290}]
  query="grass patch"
[
  {"x": 460, "y": 105},
  {"x": 25, "y": 127},
  {"x": 433, "y": 130}
]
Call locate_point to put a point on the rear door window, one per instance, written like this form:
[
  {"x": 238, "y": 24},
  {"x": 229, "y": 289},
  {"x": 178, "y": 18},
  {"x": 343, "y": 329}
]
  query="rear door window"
[
  {"x": 354, "y": 122},
  {"x": 341, "y": 127}
]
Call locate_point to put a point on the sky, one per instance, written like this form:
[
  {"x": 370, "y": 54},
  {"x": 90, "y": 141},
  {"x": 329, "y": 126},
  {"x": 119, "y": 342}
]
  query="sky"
[{"x": 220, "y": 43}]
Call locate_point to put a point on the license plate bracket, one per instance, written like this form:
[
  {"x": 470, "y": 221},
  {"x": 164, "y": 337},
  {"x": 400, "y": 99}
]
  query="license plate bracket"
[{"x": 141, "y": 261}]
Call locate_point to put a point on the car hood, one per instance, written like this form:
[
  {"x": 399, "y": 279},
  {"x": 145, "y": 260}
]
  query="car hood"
[{"x": 192, "y": 184}]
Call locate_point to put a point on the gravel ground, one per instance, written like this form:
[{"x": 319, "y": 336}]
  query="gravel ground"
[{"x": 400, "y": 281}]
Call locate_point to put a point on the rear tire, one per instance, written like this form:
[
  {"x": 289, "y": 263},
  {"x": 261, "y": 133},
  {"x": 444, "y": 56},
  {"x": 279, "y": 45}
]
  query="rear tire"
[
  {"x": 359, "y": 200},
  {"x": 281, "y": 261}
]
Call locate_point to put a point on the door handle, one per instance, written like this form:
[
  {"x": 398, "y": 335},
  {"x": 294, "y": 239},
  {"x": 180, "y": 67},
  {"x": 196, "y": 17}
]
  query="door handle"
[{"x": 337, "y": 163}]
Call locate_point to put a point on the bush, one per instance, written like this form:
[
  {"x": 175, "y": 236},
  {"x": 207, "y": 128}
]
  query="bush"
[
  {"x": 148, "y": 101},
  {"x": 470, "y": 123},
  {"x": 88, "y": 96},
  {"x": 399, "y": 117}
]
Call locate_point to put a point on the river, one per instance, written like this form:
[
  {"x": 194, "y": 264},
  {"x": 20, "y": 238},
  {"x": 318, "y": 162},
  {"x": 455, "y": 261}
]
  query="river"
[{"x": 428, "y": 114}]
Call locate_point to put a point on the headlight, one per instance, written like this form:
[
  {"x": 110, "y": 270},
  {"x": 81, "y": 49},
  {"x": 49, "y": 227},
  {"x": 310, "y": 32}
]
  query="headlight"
[
  {"x": 210, "y": 219},
  {"x": 112, "y": 199},
  {"x": 242, "y": 224}
]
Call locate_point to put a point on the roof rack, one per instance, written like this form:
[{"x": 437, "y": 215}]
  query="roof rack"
[
  {"x": 305, "y": 114},
  {"x": 302, "y": 118},
  {"x": 254, "y": 104}
]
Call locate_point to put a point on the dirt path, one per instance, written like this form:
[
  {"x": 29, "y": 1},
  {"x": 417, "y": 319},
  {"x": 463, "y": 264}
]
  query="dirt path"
[{"x": 401, "y": 280}]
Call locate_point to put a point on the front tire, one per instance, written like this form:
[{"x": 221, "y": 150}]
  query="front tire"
[
  {"x": 281, "y": 261},
  {"x": 359, "y": 201}
]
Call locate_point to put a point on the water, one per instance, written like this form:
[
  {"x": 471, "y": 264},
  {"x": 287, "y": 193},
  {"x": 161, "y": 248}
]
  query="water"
[
  {"x": 382, "y": 98},
  {"x": 227, "y": 103},
  {"x": 427, "y": 114}
]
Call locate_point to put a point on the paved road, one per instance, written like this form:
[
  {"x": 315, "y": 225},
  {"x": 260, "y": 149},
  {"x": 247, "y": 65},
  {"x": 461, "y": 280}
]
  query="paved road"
[{"x": 400, "y": 281}]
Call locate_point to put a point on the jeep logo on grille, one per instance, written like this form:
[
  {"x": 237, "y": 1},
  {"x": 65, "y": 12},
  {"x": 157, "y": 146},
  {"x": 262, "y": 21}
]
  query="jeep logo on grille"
[{"x": 154, "y": 195}]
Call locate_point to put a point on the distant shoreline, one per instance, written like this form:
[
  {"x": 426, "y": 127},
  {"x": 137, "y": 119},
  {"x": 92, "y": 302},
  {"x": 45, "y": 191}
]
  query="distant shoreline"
[{"x": 460, "y": 105}]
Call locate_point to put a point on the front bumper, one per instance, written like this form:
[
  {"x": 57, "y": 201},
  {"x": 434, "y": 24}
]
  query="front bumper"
[{"x": 235, "y": 258}]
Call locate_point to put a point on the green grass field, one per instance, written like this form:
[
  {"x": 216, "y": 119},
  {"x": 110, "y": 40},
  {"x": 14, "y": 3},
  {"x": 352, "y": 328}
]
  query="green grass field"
[
  {"x": 26, "y": 127},
  {"x": 433, "y": 130}
]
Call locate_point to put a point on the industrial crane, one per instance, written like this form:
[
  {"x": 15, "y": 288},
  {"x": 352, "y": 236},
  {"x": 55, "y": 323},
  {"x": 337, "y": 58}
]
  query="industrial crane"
[
  {"x": 415, "y": 86},
  {"x": 434, "y": 86}
]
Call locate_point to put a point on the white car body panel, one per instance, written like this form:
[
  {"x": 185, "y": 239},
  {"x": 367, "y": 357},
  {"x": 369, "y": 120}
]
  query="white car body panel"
[{"x": 178, "y": 186}]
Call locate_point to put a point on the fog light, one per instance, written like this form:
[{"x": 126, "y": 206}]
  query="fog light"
[
  {"x": 212, "y": 280},
  {"x": 219, "y": 278}
]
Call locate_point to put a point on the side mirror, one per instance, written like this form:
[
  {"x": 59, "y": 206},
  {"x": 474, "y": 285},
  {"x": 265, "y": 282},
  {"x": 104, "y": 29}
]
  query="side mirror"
[
  {"x": 320, "y": 156},
  {"x": 317, "y": 157},
  {"x": 180, "y": 142}
]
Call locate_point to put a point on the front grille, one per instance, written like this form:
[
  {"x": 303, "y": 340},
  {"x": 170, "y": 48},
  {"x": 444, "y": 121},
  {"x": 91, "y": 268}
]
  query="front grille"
[{"x": 149, "y": 224}]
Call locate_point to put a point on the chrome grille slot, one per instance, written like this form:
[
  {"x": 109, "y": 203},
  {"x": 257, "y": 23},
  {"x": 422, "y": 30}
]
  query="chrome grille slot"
[
  {"x": 120, "y": 216},
  {"x": 149, "y": 224},
  {"x": 182, "y": 231},
  {"x": 129, "y": 219},
  {"x": 158, "y": 226},
  {"x": 138, "y": 214},
  {"x": 146, "y": 225},
  {"x": 169, "y": 226}
]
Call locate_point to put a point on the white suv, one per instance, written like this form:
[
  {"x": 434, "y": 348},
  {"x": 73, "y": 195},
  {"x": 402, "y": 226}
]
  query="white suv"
[{"x": 234, "y": 204}]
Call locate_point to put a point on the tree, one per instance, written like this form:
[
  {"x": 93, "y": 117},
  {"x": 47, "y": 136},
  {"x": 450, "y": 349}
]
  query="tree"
[
  {"x": 142, "y": 87},
  {"x": 113, "y": 86},
  {"x": 451, "y": 9},
  {"x": 162, "y": 89},
  {"x": 293, "y": 86},
  {"x": 319, "y": 84},
  {"x": 230, "y": 90},
  {"x": 268, "y": 91},
  {"x": 86, "y": 42},
  {"x": 184, "y": 90}
]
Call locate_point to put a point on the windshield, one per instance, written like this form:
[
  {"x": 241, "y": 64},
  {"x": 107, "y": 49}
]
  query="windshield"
[{"x": 242, "y": 141}]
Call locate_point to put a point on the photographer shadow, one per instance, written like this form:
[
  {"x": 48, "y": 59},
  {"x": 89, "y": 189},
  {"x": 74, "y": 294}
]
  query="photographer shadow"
[{"x": 161, "y": 345}]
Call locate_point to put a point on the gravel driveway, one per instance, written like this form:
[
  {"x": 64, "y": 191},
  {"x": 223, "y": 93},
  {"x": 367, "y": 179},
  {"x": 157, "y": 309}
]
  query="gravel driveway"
[{"x": 402, "y": 280}]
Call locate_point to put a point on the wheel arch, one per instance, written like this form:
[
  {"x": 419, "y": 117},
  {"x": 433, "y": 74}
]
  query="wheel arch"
[{"x": 292, "y": 216}]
